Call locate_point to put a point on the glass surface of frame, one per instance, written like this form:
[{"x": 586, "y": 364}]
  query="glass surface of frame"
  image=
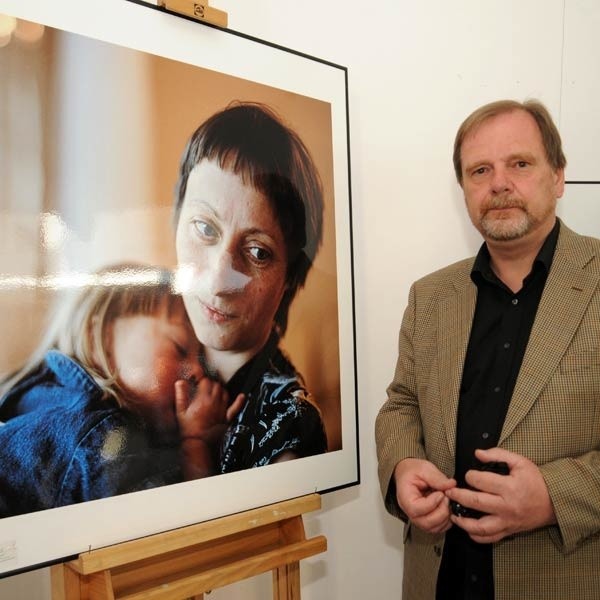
[{"x": 96, "y": 109}]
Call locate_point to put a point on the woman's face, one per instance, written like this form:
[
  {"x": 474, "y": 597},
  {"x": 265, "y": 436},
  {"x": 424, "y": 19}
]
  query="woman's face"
[{"x": 232, "y": 260}]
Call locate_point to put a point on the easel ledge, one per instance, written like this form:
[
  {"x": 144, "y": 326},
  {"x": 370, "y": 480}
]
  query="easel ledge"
[{"x": 187, "y": 562}]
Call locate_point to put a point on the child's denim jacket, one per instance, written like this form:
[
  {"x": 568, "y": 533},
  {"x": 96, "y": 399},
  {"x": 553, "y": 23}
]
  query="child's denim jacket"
[{"x": 62, "y": 442}]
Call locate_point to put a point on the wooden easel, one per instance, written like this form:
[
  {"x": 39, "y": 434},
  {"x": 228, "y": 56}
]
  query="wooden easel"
[
  {"x": 188, "y": 562},
  {"x": 197, "y": 9}
]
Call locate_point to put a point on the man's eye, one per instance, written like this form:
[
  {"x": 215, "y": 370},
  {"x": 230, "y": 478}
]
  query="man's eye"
[
  {"x": 522, "y": 164},
  {"x": 479, "y": 171},
  {"x": 204, "y": 229}
]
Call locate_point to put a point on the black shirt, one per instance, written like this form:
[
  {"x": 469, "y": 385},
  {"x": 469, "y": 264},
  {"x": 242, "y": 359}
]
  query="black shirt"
[{"x": 501, "y": 327}]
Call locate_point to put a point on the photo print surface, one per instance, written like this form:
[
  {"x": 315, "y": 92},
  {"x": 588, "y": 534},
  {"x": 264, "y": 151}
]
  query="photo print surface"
[{"x": 175, "y": 280}]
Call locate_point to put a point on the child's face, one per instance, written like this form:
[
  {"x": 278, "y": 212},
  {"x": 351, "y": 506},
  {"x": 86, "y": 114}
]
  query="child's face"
[{"x": 150, "y": 353}]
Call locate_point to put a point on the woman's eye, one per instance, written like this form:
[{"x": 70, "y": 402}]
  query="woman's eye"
[
  {"x": 204, "y": 229},
  {"x": 259, "y": 254}
]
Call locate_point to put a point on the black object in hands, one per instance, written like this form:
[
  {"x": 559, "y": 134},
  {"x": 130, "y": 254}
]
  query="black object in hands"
[{"x": 499, "y": 467}]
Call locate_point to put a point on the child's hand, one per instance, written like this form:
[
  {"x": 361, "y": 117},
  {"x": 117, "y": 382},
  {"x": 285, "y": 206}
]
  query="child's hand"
[
  {"x": 202, "y": 420},
  {"x": 205, "y": 415}
]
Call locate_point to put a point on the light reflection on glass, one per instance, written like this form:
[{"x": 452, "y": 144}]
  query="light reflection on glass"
[
  {"x": 183, "y": 280},
  {"x": 7, "y": 25},
  {"x": 29, "y": 32},
  {"x": 53, "y": 230},
  {"x": 25, "y": 31},
  {"x": 125, "y": 277}
]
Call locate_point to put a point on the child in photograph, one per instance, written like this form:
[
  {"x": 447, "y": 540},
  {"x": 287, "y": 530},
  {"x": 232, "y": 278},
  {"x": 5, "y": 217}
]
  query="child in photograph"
[{"x": 114, "y": 400}]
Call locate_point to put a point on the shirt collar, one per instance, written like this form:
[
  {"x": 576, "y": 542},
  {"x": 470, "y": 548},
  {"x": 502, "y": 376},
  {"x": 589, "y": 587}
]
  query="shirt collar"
[{"x": 482, "y": 268}]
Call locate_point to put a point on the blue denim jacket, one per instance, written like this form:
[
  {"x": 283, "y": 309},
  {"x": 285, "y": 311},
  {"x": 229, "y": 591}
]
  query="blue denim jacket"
[{"x": 62, "y": 443}]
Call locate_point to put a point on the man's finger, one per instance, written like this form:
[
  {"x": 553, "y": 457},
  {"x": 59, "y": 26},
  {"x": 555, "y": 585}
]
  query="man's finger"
[
  {"x": 498, "y": 455},
  {"x": 424, "y": 505}
]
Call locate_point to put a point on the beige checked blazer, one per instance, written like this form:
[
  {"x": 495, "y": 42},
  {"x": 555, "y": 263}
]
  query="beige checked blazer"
[{"x": 553, "y": 419}]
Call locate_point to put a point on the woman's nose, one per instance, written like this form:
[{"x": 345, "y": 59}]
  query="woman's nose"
[{"x": 222, "y": 276}]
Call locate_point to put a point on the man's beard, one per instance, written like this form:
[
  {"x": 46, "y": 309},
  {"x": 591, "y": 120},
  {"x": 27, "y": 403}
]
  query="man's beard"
[{"x": 518, "y": 224}]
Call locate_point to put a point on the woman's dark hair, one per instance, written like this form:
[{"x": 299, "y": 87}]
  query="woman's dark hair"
[{"x": 250, "y": 140}]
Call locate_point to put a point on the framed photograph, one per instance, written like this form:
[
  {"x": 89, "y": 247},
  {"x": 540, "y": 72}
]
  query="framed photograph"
[{"x": 146, "y": 151}]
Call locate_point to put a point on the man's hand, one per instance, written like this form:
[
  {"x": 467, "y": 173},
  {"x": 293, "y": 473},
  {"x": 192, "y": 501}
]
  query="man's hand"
[
  {"x": 515, "y": 502},
  {"x": 420, "y": 488}
]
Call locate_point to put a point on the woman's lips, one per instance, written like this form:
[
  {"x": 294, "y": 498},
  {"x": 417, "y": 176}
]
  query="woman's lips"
[{"x": 215, "y": 315}]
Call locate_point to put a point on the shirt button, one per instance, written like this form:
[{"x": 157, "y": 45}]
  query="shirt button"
[
  {"x": 497, "y": 389},
  {"x": 473, "y": 578},
  {"x": 506, "y": 345},
  {"x": 515, "y": 301},
  {"x": 485, "y": 435}
]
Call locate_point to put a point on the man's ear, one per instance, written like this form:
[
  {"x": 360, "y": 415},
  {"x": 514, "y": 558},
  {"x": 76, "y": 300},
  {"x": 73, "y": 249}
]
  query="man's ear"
[{"x": 559, "y": 183}]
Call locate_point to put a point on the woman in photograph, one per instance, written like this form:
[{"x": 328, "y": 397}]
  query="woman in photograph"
[{"x": 248, "y": 214}]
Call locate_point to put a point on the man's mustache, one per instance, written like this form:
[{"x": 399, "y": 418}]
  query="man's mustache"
[{"x": 502, "y": 202}]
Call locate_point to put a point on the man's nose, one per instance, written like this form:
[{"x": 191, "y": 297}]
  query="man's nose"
[{"x": 501, "y": 181}]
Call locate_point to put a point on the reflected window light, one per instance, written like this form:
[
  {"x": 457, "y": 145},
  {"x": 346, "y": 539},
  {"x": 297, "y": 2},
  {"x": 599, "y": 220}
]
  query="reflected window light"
[
  {"x": 142, "y": 276},
  {"x": 75, "y": 280},
  {"x": 7, "y": 25},
  {"x": 53, "y": 230},
  {"x": 183, "y": 282},
  {"x": 28, "y": 32}
]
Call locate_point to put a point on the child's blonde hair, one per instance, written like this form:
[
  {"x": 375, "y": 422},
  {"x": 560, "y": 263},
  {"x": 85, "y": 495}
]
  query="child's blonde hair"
[{"x": 79, "y": 327}]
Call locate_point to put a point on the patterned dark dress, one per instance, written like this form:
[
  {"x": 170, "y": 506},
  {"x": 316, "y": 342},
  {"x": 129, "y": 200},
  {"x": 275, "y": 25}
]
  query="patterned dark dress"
[{"x": 279, "y": 414}]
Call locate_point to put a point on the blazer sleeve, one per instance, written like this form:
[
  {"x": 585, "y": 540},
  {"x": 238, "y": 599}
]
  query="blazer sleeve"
[
  {"x": 398, "y": 427},
  {"x": 574, "y": 488}
]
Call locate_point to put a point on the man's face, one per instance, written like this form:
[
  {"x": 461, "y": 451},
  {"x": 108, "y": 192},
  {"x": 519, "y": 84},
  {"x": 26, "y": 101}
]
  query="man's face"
[{"x": 510, "y": 188}]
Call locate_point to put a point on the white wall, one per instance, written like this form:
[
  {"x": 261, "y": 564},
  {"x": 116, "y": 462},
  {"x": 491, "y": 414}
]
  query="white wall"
[{"x": 416, "y": 69}]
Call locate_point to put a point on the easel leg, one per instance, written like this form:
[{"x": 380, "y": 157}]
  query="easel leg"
[
  {"x": 101, "y": 585},
  {"x": 66, "y": 584},
  {"x": 286, "y": 582}
]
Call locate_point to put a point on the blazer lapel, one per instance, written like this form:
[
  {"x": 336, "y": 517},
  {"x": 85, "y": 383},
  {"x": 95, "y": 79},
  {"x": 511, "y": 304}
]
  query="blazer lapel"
[
  {"x": 455, "y": 317},
  {"x": 566, "y": 296}
]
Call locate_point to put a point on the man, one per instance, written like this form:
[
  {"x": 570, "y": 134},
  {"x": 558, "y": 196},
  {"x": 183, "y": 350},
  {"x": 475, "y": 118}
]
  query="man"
[{"x": 489, "y": 442}]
